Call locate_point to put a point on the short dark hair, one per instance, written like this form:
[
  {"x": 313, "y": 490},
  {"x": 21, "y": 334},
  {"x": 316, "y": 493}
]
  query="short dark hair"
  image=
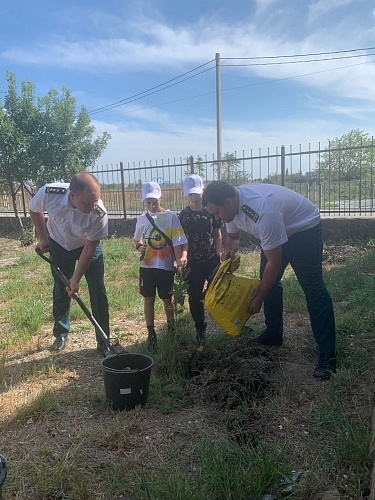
[
  {"x": 82, "y": 180},
  {"x": 216, "y": 192}
]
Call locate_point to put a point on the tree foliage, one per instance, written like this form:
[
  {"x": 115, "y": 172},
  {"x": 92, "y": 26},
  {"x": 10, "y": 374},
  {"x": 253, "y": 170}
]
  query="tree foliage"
[
  {"x": 348, "y": 157},
  {"x": 231, "y": 171},
  {"x": 43, "y": 139},
  {"x": 198, "y": 167}
]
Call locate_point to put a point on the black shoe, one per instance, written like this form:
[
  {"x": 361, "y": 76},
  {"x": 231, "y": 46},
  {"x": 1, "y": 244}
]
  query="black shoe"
[
  {"x": 59, "y": 344},
  {"x": 326, "y": 366},
  {"x": 269, "y": 339},
  {"x": 152, "y": 345},
  {"x": 102, "y": 350},
  {"x": 200, "y": 335}
]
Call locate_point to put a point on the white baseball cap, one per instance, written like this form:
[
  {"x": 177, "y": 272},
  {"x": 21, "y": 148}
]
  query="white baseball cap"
[
  {"x": 151, "y": 190},
  {"x": 193, "y": 184}
]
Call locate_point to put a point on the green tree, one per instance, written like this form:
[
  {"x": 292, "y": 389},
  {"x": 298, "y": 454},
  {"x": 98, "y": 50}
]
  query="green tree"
[
  {"x": 43, "y": 139},
  {"x": 198, "y": 167},
  {"x": 348, "y": 157},
  {"x": 231, "y": 171},
  {"x": 14, "y": 160}
]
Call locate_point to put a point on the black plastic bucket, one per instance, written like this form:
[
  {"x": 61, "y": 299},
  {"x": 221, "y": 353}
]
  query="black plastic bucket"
[
  {"x": 127, "y": 379},
  {"x": 3, "y": 474}
]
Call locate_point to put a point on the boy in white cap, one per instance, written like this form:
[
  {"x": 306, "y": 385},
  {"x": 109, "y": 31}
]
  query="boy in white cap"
[
  {"x": 204, "y": 239},
  {"x": 161, "y": 241}
]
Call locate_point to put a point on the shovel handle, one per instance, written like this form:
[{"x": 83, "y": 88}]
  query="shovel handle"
[
  {"x": 61, "y": 275},
  {"x": 114, "y": 349},
  {"x": 65, "y": 281}
]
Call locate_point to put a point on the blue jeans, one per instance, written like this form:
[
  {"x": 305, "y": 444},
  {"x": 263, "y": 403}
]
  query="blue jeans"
[
  {"x": 66, "y": 261},
  {"x": 303, "y": 251}
]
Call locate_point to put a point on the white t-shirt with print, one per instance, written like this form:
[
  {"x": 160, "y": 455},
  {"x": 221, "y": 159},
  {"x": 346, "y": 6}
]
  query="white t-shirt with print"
[{"x": 159, "y": 254}]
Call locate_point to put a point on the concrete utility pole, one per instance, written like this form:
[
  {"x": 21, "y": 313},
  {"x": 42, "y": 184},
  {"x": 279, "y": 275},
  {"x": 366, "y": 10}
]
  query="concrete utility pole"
[{"x": 218, "y": 117}]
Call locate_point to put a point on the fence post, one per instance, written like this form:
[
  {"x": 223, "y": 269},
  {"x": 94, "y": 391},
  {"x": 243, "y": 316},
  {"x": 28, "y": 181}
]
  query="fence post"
[
  {"x": 282, "y": 166},
  {"x": 123, "y": 189},
  {"x": 192, "y": 164}
]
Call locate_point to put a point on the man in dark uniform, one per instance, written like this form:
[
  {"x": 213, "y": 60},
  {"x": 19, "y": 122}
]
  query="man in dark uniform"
[{"x": 77, "y": 221}]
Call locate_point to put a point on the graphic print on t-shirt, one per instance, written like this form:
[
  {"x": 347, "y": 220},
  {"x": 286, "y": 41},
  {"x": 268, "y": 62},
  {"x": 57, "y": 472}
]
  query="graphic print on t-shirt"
[{"x": 154, "y": 239}]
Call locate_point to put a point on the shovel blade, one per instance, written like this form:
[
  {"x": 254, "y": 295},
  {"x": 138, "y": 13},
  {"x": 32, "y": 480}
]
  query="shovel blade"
[{"x": 113, "y": 346}]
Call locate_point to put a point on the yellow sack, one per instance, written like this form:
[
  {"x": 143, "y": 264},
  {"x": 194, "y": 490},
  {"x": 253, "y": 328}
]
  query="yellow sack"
[{"x": 228, "y": 297}]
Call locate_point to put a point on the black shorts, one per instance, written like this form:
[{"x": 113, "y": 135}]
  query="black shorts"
[{"x": 151, "y": 280}]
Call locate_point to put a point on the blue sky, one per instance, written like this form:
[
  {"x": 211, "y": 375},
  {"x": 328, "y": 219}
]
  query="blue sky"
[{"x": 105, "y": 52}]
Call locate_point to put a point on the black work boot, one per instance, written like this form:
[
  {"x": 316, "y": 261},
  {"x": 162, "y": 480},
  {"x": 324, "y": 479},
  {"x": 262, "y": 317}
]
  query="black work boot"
[
  {"x": 152, "y": 345},
  {"x": 200, "y": 335},
  {"x": 270, "y": 339},
  {"x": 326, "y": 366}
]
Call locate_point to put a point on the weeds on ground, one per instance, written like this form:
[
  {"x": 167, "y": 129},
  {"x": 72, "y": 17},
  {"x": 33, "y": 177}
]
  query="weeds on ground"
[{"x": 320, "y": 435}]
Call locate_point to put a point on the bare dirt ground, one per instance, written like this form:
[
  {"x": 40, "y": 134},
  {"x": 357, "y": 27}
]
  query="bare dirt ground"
[{"x": 221, "y": 379}]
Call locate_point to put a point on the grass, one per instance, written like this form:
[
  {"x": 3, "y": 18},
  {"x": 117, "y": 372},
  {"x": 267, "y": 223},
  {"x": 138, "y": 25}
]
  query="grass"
[{"x": 62, "y": 440}]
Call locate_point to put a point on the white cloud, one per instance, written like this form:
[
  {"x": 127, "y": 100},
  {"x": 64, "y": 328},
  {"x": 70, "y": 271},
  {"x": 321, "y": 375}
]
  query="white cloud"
[
  {"x": 130, "y": 144},
  {"x": 136, "y": 144},
  {"x": 152, "y": 46},
  {"x": 138, "y": 43},
  {"x": 320, "y": 8}
]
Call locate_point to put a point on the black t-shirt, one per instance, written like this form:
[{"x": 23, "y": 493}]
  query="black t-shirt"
[{"x": 199, "y": 228}]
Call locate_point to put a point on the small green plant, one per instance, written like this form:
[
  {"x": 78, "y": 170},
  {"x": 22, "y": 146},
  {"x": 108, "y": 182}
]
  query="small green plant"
[{"x": 180, "y": 290}]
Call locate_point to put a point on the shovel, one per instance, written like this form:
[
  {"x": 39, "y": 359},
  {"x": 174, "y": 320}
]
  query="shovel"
[{"x": 112, "y": 347}]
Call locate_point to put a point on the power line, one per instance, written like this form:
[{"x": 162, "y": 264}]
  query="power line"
[
  {"x": 303, "y": 55},
  {"x": 299, "y": 62},
  {"x": 148, "y": 92},
  {"x": 240, "y": 87},
  {"x": 113, "y": 106},
  {"x": 164, "y": 86},
  {"x": 159, "y": 105},
  {"x": 297, "y": 76}
]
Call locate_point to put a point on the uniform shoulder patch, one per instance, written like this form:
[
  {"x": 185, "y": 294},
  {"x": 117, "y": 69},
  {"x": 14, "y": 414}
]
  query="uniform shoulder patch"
[
  {"x": 99, "y": 211},
  {"x": 55, "y": 190},
  {"x": 250, "y": 213}
]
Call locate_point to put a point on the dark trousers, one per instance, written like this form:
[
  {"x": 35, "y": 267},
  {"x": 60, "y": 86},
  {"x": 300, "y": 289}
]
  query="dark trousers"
[
  {"x": 303, "y": 251},
  {"x": 196, "y": 281},
  {"x": 66, "y": 261}
]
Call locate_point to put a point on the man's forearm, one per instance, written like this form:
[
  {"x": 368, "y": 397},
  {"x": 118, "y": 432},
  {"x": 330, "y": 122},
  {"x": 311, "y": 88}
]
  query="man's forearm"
[
  {"x": 232, "y": 244},
  {"x": 269, "y": 278},
  {"x": 37, "y": 218}
]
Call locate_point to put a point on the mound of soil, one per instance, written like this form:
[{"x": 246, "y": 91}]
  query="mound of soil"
[{"x": 232, "y": 374}]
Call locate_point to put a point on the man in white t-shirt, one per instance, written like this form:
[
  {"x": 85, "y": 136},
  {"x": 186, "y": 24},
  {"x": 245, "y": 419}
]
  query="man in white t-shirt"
[
  {"x": 289, "y": 228},
  {"x": 77, "y": 221}
]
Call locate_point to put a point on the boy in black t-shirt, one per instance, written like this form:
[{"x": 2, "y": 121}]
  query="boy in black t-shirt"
[{"x": 204, "y": 246}]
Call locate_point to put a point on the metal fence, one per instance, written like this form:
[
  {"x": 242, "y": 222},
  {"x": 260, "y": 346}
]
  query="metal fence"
[{"x": 340, "y": 180}]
